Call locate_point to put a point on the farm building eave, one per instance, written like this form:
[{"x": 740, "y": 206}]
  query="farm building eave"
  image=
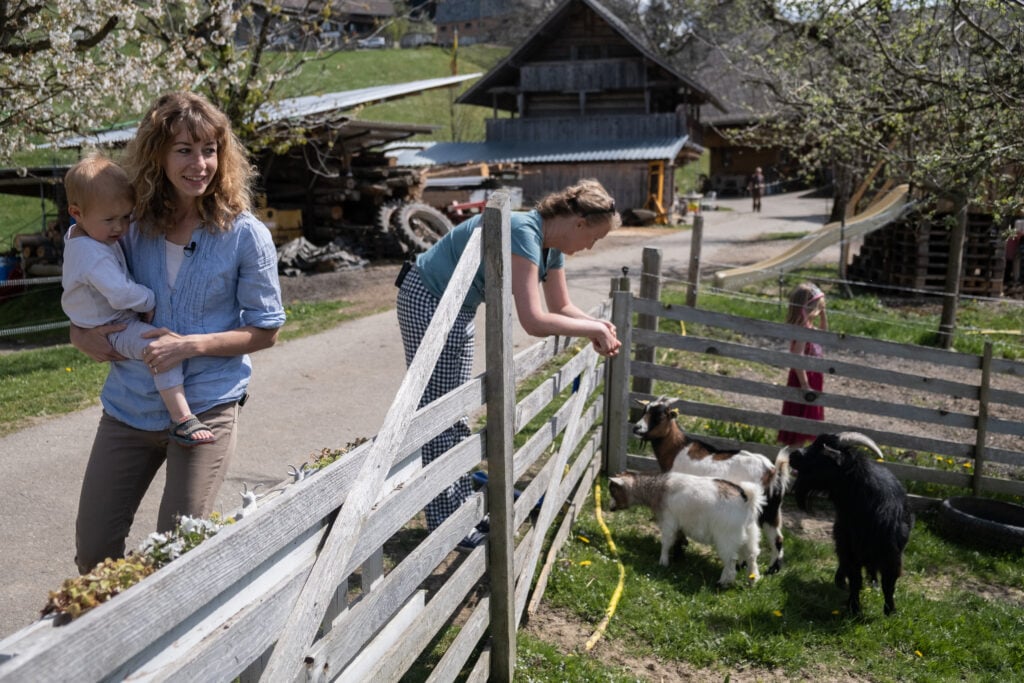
[
  {"x": 544, "y": 152},
  {"x": 505, "y": 73}
]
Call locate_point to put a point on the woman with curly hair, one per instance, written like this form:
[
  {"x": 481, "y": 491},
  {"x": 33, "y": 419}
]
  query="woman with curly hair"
[
  {"x": 563, "y": 222},
  {"x": 213, "y": 268}
]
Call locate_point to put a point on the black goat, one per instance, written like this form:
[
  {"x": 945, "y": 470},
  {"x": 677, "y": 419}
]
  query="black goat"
[{"x": 873, "y": 517}]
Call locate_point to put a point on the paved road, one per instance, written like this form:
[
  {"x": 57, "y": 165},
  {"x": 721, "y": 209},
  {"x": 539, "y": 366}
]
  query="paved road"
[{"x": 313, "y": 393}]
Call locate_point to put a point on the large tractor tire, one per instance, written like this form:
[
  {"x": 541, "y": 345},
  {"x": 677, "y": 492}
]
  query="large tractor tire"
[{"x": 419, "y": 225}]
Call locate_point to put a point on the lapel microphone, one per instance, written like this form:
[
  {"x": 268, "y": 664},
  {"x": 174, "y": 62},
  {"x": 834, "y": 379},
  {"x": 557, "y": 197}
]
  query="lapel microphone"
[{"x": 190, "y": 249}]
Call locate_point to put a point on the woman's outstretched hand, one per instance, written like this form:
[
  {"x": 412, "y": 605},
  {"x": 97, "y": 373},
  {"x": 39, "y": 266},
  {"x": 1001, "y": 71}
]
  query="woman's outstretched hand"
[{"x": 607, "y": 344}]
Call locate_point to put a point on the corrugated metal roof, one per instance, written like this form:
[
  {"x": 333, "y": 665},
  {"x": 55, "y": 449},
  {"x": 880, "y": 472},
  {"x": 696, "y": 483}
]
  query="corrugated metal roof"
[
  {"x": 294, "y": 108},
  {"x": 541, "y": 152}
]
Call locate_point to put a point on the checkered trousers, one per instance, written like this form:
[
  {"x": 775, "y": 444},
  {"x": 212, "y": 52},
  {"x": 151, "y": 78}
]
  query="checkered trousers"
[{"x": 416, "y": 306}]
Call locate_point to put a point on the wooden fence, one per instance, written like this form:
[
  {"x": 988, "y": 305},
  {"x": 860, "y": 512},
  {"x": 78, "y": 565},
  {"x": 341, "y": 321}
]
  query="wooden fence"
[
  {"x": 953, "y": 421},
  {"x": 297, "y": 589}
]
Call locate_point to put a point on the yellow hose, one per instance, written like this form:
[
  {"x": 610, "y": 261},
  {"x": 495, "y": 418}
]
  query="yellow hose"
[{"x": 622, "y": 570}]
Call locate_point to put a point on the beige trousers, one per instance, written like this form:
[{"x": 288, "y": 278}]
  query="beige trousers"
[{"x": 121, "y": 467}]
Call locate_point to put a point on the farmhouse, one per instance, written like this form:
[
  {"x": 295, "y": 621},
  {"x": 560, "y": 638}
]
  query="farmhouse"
[{"x": 583, "y": 96}]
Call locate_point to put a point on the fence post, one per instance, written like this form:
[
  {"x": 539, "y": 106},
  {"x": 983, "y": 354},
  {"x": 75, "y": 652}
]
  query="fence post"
[
  {"x": 693, "y": 273},
  {"x": 617, "y": 381},
  {"x": 500, "y": 396},
  {"x": 982, "y": 430},
  {"x": 650, "y": 288}
]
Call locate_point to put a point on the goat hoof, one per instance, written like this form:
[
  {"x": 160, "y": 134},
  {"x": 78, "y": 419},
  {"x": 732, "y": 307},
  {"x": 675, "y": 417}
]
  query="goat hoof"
[{"x": 774, "y": 567}]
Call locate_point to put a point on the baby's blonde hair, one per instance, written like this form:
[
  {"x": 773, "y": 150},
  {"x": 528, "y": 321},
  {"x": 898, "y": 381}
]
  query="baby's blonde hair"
[{"x": 94, "y": 179}]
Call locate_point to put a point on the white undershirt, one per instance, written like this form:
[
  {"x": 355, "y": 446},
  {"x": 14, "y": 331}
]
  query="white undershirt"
[{"x": 175, "y": 257}]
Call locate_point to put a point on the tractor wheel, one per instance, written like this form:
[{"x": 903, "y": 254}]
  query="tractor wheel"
[{"x": 419, "y": 226}]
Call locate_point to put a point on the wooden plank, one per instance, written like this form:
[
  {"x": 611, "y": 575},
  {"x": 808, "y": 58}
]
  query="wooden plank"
[
  {"x": 782, "y": 358},
  {"x": 382, "y": 643},
  {"x": 111, "y": 634},
  {"x": 617, "y": 382},
  {"x": 301, "y": 627},
  {"x": 501, "y": 404},
  {"x": 461, "y": 648},
  {"x": 870, "y": 407},
  {"x": 543, "y": 437},
  {"x": 372, "y": 611},
  {"x": 895, "y": 440},
  {"x": 201, "y": 649},
  {"x": 562, "y": 534},
  {"x": 755, "y": 327},
  {"x": 442, "y": 605},
  {"x": 569, "y": 440},
  {"x": 548, "y": 391}
]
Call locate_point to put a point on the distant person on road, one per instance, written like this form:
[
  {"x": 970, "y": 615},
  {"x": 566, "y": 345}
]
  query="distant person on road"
[
  {"x": 99, "y": 290},
  {"x": 756, "y": 186},
  {"x": 806, "y": 309},
  {"x": 564, "y": 222},
  {"x": 213, "y": 268}
]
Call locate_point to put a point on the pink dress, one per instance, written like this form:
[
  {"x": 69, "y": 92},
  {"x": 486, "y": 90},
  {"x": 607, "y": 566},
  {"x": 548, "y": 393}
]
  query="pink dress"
[{"x": 811, "y": 412}]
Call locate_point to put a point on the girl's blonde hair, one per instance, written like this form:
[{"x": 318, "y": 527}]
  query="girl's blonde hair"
[
  {"x": 803, "y": 300},
  {"x": 228, "y": 194},
  {"x": 587, "y": 199}
]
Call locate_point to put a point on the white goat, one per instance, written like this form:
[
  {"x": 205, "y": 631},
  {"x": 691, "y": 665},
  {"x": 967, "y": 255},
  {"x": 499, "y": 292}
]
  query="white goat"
[
  {"x": 716, "y": 512},
  {"x": 677, "y": 452}
]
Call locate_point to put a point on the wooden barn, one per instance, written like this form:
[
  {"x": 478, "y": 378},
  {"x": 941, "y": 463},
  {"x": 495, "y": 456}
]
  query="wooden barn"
[{"x": 581, "y": 97}]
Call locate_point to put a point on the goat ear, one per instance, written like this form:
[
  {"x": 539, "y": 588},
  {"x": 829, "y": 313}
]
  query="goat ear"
[
  {"x": 674, "y": 412},
  {"x": 614, "y": 480}
]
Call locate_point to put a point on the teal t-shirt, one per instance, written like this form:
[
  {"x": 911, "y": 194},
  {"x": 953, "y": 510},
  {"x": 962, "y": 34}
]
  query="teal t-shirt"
[{"x": 437, "y": 264}]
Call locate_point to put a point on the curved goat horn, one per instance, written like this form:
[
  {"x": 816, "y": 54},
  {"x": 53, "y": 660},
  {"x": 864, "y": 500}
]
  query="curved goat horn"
[{"x": 858, "y": 439}]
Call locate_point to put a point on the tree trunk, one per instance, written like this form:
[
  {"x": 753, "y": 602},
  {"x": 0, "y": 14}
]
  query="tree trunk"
[{"x": 954, "y": 268}]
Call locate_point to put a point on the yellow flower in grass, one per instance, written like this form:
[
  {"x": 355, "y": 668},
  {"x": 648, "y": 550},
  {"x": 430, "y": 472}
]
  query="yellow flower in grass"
[
  {"x": 918, "y": 653},
  {"x": 585, "y": 563},
  {"x": 835, "y": 612},
  {"x": 777, "y": 612},
  {"x": 583, "y": 538},
  {"x": 968, "y": 464},
  {"x": 67, "y": 369}
]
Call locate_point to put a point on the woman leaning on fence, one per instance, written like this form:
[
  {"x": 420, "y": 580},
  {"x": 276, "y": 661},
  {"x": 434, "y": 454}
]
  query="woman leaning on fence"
[{"x": 564, "y": 222}]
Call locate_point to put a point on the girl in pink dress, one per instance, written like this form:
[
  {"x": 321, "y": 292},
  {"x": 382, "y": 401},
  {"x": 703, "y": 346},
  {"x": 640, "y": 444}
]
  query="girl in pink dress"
[{"x": 807, "y": 309}]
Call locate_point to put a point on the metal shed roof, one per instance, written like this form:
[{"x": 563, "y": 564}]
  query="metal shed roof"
[
  {"x": 294, "y": 108},
  {"x": 541, "y": 152}
]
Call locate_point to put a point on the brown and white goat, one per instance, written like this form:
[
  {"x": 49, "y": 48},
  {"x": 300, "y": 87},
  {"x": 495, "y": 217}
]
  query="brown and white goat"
[
  {"x": 675, "y": 451},
  {"x": 716, "y": 512}
]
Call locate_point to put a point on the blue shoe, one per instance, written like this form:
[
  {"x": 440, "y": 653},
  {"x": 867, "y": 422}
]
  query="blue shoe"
[{"x": 473, "y": 539}]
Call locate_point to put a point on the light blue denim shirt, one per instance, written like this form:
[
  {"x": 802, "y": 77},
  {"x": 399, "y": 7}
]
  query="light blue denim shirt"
[
  {"x": 437, "y": 264},
  {"x": 228, "y": 281}
]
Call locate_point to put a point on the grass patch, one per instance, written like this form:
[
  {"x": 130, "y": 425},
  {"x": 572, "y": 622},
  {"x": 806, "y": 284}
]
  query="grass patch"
[
  {"x": 953, "y": 621},
  {"x": 45, "y": 383}
]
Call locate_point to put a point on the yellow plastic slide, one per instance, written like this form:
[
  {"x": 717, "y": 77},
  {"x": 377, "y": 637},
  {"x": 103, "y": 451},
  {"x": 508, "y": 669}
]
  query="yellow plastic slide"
[{"x": 881, "y": 213}]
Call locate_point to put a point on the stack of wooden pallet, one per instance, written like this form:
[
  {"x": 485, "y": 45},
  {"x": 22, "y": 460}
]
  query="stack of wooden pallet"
[{"x": 913, "y": 254}]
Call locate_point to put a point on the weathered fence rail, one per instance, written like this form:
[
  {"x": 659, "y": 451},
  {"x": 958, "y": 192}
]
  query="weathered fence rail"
[
  {"x": 229, "y": 608},
  {"x": 950, "y": 404}
]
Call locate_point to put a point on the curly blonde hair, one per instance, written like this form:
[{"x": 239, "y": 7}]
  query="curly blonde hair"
[
  {"x": 230, "y": 191},
  {"x": 587, "y": 199}
]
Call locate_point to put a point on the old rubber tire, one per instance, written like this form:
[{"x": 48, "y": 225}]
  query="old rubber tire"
[
  {"x": 419, "y": 226},
  {"x": 982, "y": 522}
]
